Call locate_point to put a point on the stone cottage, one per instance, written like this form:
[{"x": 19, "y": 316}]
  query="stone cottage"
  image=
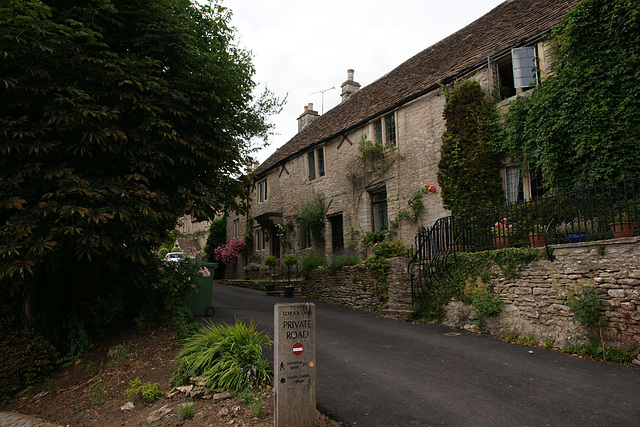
[{"x": 503, "y": 50}]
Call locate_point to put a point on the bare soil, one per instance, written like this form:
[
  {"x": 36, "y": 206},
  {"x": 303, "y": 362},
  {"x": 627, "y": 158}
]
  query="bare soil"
[{"x": 91, "y": 391}]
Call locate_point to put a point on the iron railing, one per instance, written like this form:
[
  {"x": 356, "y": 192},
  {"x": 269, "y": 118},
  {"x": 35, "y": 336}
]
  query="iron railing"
[{"x": 597, "y": 213}]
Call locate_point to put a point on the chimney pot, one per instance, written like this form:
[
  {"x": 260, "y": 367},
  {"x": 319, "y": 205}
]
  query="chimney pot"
[{"x": 349, "y": 87}]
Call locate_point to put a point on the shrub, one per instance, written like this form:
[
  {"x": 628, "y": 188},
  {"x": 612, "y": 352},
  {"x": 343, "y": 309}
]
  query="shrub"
[
  {"x": 25, "y": 357},
  {"x": 225, "y": 356},
  {"x": 148, "y": 391},
  {"x": 313, "y": 261},
  {"x": 344, "y": 257},
  {"x": 390, "y": 249},
  {"x": 228, "y": 253},
  {"x": 168, "y": 299}
]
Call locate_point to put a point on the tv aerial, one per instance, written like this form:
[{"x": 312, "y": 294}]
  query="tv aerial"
[{"x": 322, "y": 92}]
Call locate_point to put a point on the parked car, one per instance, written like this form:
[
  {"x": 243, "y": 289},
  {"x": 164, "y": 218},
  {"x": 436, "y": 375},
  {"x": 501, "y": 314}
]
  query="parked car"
[{"x": 175, "y": 257}]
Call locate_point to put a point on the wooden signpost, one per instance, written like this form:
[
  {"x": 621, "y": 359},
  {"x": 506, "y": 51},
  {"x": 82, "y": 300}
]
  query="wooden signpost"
[{"x": 294, "y": 364}]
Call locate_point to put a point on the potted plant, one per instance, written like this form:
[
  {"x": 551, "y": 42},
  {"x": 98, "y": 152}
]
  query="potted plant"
[
  {"x": 537, "y": 236},
  {"x": 622, "y": 226},
  {"x": 502, "y": 231},
  {"x": 289, "y": 260},
  {"x": 271, "y": 261},
  {"x": 576, "y": 230},
  {"x": 252, "y": 270}
]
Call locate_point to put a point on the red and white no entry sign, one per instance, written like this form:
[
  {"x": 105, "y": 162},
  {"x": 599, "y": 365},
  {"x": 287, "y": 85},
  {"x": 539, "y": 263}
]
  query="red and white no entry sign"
[{"x": 297, "y": 349}]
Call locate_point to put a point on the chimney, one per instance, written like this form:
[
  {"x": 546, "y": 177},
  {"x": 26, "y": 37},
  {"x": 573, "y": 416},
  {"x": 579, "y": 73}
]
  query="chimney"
[
  {"x": 307, "y": 117},
  {"x": 349, "y": 87}
]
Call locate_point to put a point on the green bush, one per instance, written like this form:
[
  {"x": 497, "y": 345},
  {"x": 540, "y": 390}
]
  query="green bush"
[
  {"x": 390, "y": 249},
  {"x": 25, "y": 357},
  {"x": 225, "y": 356},
  {"x": 148, "y": 391},
  {"x": 168, "y": 299},
  {"x": 313, "y": 261},
  {"x": 343, "y": 258}
]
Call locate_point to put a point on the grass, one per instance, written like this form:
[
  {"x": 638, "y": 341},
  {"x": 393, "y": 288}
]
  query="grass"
[
  {"x": 187, "y": 410},
  {"x": 225, "y": 356}
]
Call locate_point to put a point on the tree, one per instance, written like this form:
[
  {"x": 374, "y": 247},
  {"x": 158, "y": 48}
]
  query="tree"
[
  {"x": 118, "y": 117},
  {"x": 582, "y": 125},
  {"x": 469, "y": 169}
]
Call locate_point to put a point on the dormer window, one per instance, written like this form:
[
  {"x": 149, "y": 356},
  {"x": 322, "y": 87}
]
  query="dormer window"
[
  {"x": 384, "y": 130},
  {"x": 315, "y": 160}
]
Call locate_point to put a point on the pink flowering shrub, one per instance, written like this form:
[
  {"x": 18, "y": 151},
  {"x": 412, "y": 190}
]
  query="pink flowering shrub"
[{"x": 228, "y": 252}]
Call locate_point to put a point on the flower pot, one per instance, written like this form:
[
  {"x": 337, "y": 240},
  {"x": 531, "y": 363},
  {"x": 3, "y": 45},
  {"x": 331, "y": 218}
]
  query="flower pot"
[
  {"x": 288, "y": 291},
  {"x": 622, "y": 228},
  {"x": 537, "y": 240},
  {"x": 577, "y": 237},
  {"x": 501, "y": 242}
]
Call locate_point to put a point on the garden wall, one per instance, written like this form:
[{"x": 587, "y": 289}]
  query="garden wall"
[
  {"x": 356, "y": 286},
  {"x": 536, "y": 301}
]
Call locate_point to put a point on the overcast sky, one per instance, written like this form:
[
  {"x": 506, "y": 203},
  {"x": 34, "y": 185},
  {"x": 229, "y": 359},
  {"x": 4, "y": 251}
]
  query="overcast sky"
[{"x": 301, "y": 48}]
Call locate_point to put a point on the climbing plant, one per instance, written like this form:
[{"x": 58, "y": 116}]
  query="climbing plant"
[
  {"x": 373, "y": 160},
  {"x": 469, "y": 166},
  {"x": 582, "y": 124},
  {"x": 310, "y": 214}
]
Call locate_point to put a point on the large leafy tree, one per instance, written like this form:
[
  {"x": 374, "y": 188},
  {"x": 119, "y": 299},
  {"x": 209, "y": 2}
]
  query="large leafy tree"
[
  {"x": 582, "y": 125},
  {"x": 117, "y": 117},
  {"x": 469, "y": 169}
]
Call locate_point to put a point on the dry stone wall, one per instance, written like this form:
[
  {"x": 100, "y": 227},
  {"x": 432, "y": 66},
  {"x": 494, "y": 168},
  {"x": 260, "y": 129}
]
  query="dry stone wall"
[
  {"x": 354, "y": 286},
  {"x": 536, "y": 304}
]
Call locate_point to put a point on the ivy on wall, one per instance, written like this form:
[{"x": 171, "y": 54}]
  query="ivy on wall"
[
  {"x": 470, "y": 280},
  {"x": 469, "y": 167},
  {"x": 582, "y": 124}
]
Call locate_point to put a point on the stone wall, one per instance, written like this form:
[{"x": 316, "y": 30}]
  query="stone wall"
[
  {"x": 353, "y": 286},
  {"x": 356, "y": 286},
  {"x": 535, "y": 303}
]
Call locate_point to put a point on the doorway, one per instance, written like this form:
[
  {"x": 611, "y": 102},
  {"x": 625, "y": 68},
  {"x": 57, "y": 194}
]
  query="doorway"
[{"x": 337, "y": 232}]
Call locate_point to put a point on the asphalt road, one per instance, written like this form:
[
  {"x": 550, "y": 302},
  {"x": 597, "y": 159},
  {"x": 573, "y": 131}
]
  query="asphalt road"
[{"x": 374, "y": 371}]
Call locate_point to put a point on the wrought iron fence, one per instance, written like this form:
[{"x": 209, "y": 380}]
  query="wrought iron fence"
[{"x": 597, "y": 213}]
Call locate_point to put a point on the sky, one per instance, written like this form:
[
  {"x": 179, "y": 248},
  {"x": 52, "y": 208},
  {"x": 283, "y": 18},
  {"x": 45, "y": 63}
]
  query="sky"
[{"x": 302, "y": 50}]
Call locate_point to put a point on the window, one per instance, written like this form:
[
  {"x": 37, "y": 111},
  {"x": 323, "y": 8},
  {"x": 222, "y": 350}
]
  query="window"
[
  {"x": 536, "y": 187},
  {"x": 260, "y": 240},
  {"x": 315, "y": 160},
  {"x": 262, "y": 191},
  {"x": 305, "y": 237},
  {"x": 384, "y": 130},
  {"x": 513, "y": 184},
  {"x": 513, "y": 73},
  {"x": 379, "y": 218},
  {"x": 236, "y": 228}
]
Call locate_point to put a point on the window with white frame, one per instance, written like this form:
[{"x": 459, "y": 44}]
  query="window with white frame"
[
  {"x": 235, "y": 226},
  {"x": 260, "y": 240},
  {"x": 513, "y": 73},
  {"x": 262, "y": 191},
  {"x": 513, "y": 184},
  {"x": 384, "y": 130},
  {"x": 315, "y": 162}
]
